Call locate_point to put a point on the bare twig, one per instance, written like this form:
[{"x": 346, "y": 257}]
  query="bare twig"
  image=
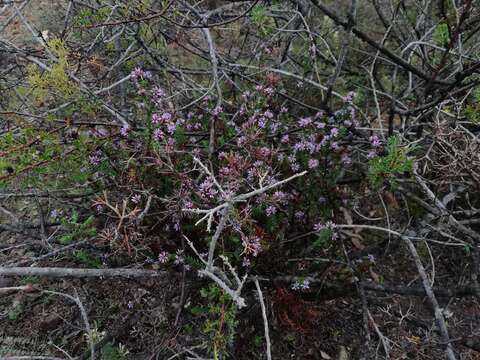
[{"x": 265, "y": 319}]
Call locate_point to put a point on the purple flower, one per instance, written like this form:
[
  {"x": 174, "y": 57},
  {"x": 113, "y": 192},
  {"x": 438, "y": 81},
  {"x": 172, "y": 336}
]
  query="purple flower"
[
  {"x": 301, "y": 285},
  {"x": 207, "y": 188},
  {"x": 330, "y": 225},
  {"x": 124, "y": 130},
  {"x": 262, "y": 123},
  {"x": 271, "y": 210},
  {"x": 217, "y": 111},
  {"x": 166, "y": 116},
  {"x": 268, "y": 114},
  {"x": 311, "y": 146},
  {"x": 55, "y": 213},
  {"x": 375, "y": 141},
  {"x": 158, "y": 134},
  {"x": 285, "y": 139},
  {"x": 171, "y": 128},
  {"x": 136, "y": 198},
  {"x": 156, "y": 119},
  {"x": 313, "y": 163},
  {"x": 241, "y": 140},
  {"x": 158, "y": 93},
  {"x": 371, "y": 154},
  {"x": 281, "y": 197},
  {"x": 299, "y": 215},
  {"x": 299, "y": 146},
  {"x": 349, "y": 97},
  {"x": 138, "y": 73},
  {"x": 346, "y": 160},
  {"x": 334, "y": 132},
  {"x": 268, "y": 90},
  {"x": 318, "y": 227},
  {"x": 256, "y": 246},
  {"x": 179, "y": 259},
  {"x": 163, "y": 257},
  {"x": 295, "y": 167},
  {"x": 304, "y": 122},
  {"x": 95, "y": 158},
  {"x": 305, "y": 285}
]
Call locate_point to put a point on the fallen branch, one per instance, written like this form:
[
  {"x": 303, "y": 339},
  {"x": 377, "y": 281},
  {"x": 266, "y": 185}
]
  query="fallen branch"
[{"x": 79, "y": 273}]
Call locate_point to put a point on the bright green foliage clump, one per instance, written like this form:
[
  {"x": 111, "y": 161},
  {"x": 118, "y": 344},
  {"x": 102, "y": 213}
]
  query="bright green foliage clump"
[
  {"x": 77, "y": 229},
  {"x": 394, "y": 163},
  {"x": 112, "y": 352},
  {"x": 472, "y": 112},
  {"x": 33, "y": 156},
  {"x": 441, "y": 34},
  {"x": 55, "y": 82},
  {"x": 221, "y": 319},
  {"x": 260, "y": 18}
]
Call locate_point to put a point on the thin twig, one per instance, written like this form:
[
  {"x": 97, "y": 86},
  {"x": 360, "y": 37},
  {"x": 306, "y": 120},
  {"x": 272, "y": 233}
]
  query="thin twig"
[{"x": 265, "y": 319}]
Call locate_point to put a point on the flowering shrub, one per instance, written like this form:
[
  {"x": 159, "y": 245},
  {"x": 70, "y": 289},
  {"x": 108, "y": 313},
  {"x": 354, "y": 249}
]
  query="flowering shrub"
[
  {"x": 163, "y": 162},
  {"x": 258, "y": 142}
]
